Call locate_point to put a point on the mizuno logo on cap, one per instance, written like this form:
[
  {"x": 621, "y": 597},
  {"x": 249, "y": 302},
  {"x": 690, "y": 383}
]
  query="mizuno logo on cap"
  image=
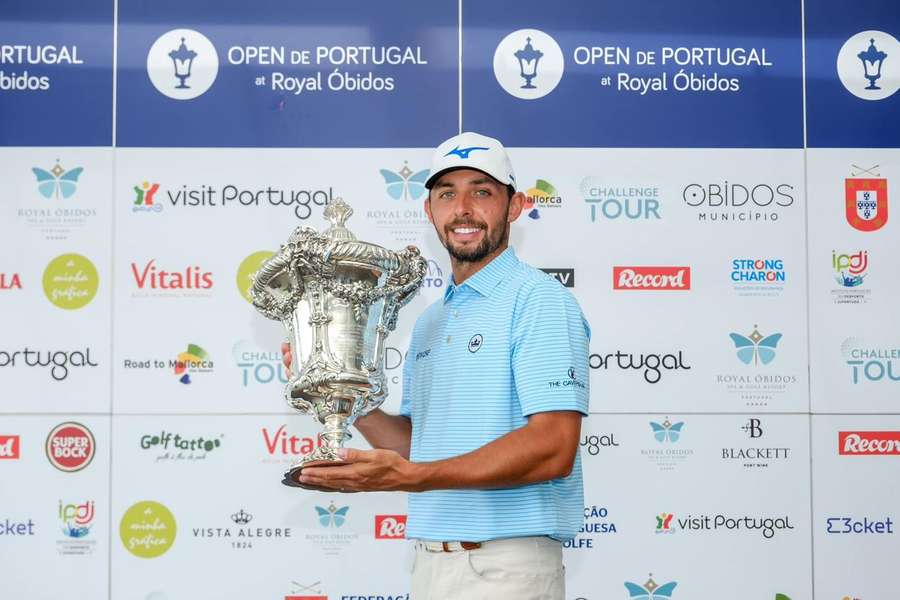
[{"x": 464, "y": 152}]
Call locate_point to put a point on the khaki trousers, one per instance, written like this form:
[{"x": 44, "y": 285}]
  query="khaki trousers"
[{"x": 527, "y": 568}]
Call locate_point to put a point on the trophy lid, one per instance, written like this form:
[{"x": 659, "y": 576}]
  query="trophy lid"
[{"x": 337, "y": 212}]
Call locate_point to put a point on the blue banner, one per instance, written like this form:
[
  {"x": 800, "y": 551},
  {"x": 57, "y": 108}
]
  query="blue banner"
[
  {"x": 639, "y": 74},
  {"x": 274, "y": 74}
]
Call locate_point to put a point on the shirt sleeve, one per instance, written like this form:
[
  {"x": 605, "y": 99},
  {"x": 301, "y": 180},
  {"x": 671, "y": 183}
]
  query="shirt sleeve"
[{"x": 550, "y": 351}]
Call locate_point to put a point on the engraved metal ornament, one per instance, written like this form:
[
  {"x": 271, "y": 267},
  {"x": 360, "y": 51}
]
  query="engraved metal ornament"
[{"x": 338, "y": 298}]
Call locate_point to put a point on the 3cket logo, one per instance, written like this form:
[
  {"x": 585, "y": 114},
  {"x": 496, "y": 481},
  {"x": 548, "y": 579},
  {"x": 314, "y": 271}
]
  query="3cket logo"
[
  {"x": 70, "y": 447},
  {"x": 853, "y": 525},
  {"x": 651, "y": 364},
  {"x": 390, "y": 527}
]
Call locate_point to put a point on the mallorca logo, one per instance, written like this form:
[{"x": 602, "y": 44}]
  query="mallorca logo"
[
  {"x": 405, "y": 184},
  {"x": 192, "y": 361},
  {"x": 57, "y": 181},
  {"x": 390, "y": 527},
  {"x": 70, "y": 447},
  {"x": 528, "y": 64},
  {"x": 9, "y": 447},
  {"x": 143, "y": 198},
  {"x": 70, "y": 281},
  {"x": 868, "y": 65},
  {"x": 867, "y": 443},
  {"x": 182, "y": 64},
  {"x": 652, "y": 278},
  {"x": 870, "y": 364},
  {"x": 650, "y": 590},
  {"x": 542, "y": 195},
  {"x": 247, "y": 271},
  {"x": 866, "y": 200},
  {"x": 147, "y": 529},
  {"x": 758, "y": 276},
  {"x": 755, "y": 348}
]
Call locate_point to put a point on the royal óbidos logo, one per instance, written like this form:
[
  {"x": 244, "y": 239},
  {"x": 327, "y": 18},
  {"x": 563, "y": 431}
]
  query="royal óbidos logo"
[
  {"x": 182, "y": 64},
  {"x": 528, "y": 64}
]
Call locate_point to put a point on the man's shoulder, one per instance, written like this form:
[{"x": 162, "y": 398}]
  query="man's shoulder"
[{"x": 534, "y": 285}]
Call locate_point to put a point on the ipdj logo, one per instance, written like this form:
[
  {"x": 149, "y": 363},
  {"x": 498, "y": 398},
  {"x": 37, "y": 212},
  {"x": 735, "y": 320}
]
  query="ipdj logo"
[
  {"x": 866, "y": 200},
  {"x": 57, "y": 181},
  {"x": 850, "y": 269},
  {"x": 76, "y": 518},
  {"x": 528, "y": 64},
  {"x": 650, "y": 590},
  {"x": 868, "y": 65},
  {"x": 182, "y": 64}
]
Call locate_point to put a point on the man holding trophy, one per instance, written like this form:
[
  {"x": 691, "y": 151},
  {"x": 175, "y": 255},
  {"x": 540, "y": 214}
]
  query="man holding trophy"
[{"x": 495, "y": 384}]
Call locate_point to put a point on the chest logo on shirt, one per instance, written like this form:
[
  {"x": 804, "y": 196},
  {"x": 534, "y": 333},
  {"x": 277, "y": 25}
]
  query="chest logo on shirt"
[
  {"x": 475, "y": 343},
  {"x": 422, "y": 354}
]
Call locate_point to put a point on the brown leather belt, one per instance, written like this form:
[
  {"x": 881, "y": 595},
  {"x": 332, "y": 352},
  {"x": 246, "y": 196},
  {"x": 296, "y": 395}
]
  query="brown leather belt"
[{"x": 450, "y": 546}]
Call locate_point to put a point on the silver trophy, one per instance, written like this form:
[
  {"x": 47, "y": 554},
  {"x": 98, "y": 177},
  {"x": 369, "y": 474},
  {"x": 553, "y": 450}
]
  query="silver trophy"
[{"x": 338, "y": 298}]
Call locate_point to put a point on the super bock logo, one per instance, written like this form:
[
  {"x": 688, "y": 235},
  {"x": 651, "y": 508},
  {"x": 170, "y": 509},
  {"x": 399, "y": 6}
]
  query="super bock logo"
[{"x": 866, "y": 202}]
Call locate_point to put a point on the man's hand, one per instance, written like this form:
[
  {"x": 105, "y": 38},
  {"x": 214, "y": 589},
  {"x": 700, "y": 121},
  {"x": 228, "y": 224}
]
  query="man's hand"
[
  {"x": 286, "y": 357},
  {"x": 368, "y": 471}
]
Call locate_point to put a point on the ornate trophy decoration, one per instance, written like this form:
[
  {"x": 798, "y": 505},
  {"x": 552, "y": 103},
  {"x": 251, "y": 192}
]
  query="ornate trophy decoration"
[{"x": 338, "y": 298}]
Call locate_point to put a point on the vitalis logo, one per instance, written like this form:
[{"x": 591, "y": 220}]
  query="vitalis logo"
[
  {"x": 866, "y": 200},
  {"x": 152, "y": 281},
  {"x": 738, "y": 202},
  {"x": 243, "y": 535},
  {"x": 565, "y": 276},
  {"x": 596, "y": 522},
  {"x": 542, "y": 195},
  {"x": 9, "y": 447},
  {"x": 609, "y": 202},
  {"x": 59, "y": 361},
  {"x": 869, "y": 443},
  {"x": 758, "y": 276},
  {"x": 284, "y": 447},
  {"x": 182, "y": 64},
  {"x": 390, "y": 527},
  {"x": 652, "y": 364},
  {"x": 870, "y": 364},
  {"x": 652, "y": 278},
  {"x": 174, "y": 446},
  {"x": 650, "y": 590}
]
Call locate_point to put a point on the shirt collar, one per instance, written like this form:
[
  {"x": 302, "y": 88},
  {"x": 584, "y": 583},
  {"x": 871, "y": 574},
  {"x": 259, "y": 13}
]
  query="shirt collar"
[{"x": 489, "y": 276}]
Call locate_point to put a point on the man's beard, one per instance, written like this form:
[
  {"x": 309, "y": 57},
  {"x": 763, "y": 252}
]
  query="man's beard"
[{"x": 485, "y": 247}]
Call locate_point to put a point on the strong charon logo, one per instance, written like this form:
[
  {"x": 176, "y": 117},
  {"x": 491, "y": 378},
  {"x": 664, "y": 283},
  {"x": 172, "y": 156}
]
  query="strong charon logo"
[
  {"x": 868, "y": 64},
  {"x": 182, "y": 64},
  {"x": 57, "y": 181},
  {"x": 528, "y": 64}
]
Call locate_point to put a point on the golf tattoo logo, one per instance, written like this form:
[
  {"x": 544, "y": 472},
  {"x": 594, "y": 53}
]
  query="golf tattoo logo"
[
  {"x": 868, "y": 65},
  {"x": 528, "y": 64},
  {"x": 182, "y": 64}
]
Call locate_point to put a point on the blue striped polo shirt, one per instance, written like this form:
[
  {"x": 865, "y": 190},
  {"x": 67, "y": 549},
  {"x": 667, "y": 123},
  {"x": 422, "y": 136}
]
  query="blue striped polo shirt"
[{"x": 508, "y": 342}]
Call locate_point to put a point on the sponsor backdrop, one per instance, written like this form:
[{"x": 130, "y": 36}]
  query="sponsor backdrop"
[{"x": 711, "y": 180}]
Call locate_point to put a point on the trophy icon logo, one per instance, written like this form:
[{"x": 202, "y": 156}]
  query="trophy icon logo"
[
  {"x": 182, "y": 64},
  {"x": 528, "y": 64},
  {"x": 868, "y": 65}
]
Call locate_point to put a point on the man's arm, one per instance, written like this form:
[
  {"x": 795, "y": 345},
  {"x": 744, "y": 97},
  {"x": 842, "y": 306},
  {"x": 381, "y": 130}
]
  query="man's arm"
[{"x": 543, "y": 449}]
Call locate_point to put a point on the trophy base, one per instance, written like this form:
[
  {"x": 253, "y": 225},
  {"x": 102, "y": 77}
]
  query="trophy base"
[{"x": 292, "y": 476}]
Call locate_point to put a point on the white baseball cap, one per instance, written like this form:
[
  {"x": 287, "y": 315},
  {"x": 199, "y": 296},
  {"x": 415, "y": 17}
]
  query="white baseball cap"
[{"x": 472, "y": 151}]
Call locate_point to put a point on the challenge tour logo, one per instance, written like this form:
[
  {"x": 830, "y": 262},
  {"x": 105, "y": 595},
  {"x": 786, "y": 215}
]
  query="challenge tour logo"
[{"x": 182, "y": 64}]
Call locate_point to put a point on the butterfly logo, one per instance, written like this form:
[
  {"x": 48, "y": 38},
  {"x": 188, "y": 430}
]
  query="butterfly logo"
[
  {"x": 57, "y": 181},
  {"x": 463, "y": 153},
  {"x": 667, "y": 431},
  {"x": 650, "y": 590},
  {"x": 755, "y": 347},
  {"x": 405, "y": 183},
  {"x": 332, "y": 515}
]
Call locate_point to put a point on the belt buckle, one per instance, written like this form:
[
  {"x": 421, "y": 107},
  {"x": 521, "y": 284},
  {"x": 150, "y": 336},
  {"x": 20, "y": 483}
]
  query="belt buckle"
[{"x": 458, "y": 546}]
